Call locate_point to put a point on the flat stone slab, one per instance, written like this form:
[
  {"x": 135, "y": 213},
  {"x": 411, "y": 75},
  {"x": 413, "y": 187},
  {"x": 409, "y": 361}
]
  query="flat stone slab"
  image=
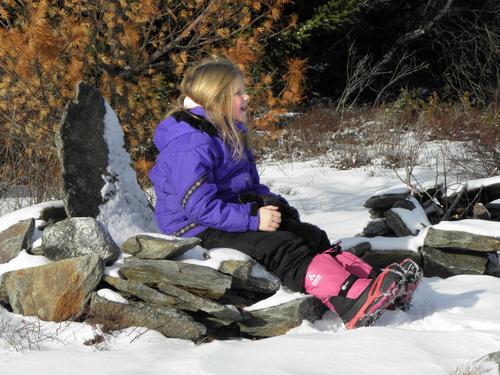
[
  {"x": 278, "y": 320},
  {"x": 171, "y": 296},
  {"x": 54, "y": 292},
  {"x": 199, "y": 280},
  {"x": 158, "y": 246},
  {"x": 170, "y": 322},
  {"x": 446, "y": 263},
  {"x": 385, "y": 201},
  {"x": 15, "y": 238},
  {"x": 458, "y": 240}
]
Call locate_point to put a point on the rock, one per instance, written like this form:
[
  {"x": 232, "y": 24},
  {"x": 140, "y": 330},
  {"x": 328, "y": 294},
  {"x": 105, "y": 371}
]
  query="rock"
[
  {"x": 4, "y": 297},
  {"x": 446, "y": 263},
  {"x": 396, "y": 224},
  {"x": 78, "y": 236},
  {"x": 385, "y": 201},
  {"x": 493, "y": 265},
  {"x": 98, "y": 180},
  {"x": 53, "y": 214},
  {"x": 257, "y": 284},
  {"x": 456, "y": 240},
  {"x": 481, "y": 212},
  {"x": 83, "y": 152},
  {"x": 169, "y": 322},
  {"x": 408, "y": 218},
  {"x": 376, "y": 227},
  {"x": 200, "y": 280},
  {"x": 404, "y": 203},
  {"x": 240, "y": 269},
  {"x": 55, "y": 292},
  {"x": 175, "y": 298},
  {"x": 494, "y": 210},
  {"x": 158, "y": 246},
  {"x": 382, "y": 258},
  {"x": 376, "y": 214},
  {"x": 360, "y": 249},
  {"x": 492, "y": 357},
  {"x": 15, "y": 238},
  {"x": 278, "y": 320}
]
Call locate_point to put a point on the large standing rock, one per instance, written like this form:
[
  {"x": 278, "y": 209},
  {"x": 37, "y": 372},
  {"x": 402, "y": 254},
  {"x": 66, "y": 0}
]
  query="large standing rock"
[
  {"x": 83, "y": 152},
  {"x": 158, "y": 246},
  {"x": 98, "y": 180},
  {"x": 169, "y": 322},
  {"x": 56, "y": 291},
  {"x": 200, "y": 280},
  {"x": 15, "y": 238},
  {"x": 278, "y": 320},
  {"x": 78, "y": 236}
]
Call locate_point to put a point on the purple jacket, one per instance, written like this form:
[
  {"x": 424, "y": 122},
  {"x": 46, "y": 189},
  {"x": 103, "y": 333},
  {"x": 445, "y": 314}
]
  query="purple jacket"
[{"x": 197, "y": 182}]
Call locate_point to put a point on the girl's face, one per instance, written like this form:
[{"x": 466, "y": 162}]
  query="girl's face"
[{"x": 240, "y": 100}]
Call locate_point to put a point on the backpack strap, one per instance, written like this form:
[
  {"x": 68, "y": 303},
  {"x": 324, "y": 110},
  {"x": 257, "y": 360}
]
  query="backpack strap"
[{"x": 196, "y": 122}]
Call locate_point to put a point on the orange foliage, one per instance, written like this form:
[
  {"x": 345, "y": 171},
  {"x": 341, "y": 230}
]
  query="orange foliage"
[{"x": 135, "y": 52}]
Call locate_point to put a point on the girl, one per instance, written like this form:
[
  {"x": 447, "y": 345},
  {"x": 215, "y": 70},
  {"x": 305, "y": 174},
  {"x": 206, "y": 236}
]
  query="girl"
[{"x": 207, "y": 186}]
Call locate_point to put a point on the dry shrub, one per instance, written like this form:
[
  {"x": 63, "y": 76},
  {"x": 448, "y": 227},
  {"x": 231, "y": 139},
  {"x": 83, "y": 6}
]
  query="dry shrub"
[
  {"x": 391, "y": 134},
  {"x": 108, "y": 317},
  {"x": 135, "y": 52}
]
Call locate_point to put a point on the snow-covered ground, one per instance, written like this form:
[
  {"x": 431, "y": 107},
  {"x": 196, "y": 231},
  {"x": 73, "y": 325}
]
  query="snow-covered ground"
[{"x": 452, "y": 323}]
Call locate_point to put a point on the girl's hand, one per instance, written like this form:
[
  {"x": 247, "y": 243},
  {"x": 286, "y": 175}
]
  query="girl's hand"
[{"x": 270, "y": 218}]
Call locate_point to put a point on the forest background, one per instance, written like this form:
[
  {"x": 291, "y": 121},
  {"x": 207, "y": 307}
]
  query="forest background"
[{"x": 342, "y": 74}]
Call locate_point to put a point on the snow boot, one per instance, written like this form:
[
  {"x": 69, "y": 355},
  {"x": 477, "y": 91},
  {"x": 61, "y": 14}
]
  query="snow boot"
[
  {"x": 375, "y": 299},
  {"x": 358, "y": 301},
  {"x": 413, "y": 274}
]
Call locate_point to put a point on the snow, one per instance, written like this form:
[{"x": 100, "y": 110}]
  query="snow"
[
  {"x": 34, "y": 211},
  {"x": 474, "y": 184},
  {"x": 475, "y": 226},
  {"x": 396, "y": 189},
  {"x": 416, "y": 219},
  {"x": 452, "y": 322},
  {"x": 126, "y": 211}
]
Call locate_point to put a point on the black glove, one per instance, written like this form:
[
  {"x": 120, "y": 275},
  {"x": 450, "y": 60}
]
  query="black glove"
[{"x": 286, "y": 210}]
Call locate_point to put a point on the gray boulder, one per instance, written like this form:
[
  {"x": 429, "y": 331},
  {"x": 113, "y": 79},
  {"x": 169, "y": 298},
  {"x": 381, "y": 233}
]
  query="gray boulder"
[
  {"x": 55, "y": 292},
  {"x": 278, "y": 320},
  {"x": 457, "y": 240},
  {"x": 158, "y": 247},
  {"x": 15, "y": 238},
  {"x": 76, "y": 237},
  {"x": 169, "y": 322},
  {"x": 200, "y": 280},
  {"x": 446, "y": 263}
]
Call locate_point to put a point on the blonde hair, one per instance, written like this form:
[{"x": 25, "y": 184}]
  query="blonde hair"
[{"x": 211, "y": 84}]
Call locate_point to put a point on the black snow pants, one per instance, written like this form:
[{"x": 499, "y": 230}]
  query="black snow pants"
[{"x": 286, "y": 252}]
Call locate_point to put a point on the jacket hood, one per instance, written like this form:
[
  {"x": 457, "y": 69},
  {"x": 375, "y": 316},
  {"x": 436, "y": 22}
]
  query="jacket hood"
[{"x": 170, "y": 129}]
